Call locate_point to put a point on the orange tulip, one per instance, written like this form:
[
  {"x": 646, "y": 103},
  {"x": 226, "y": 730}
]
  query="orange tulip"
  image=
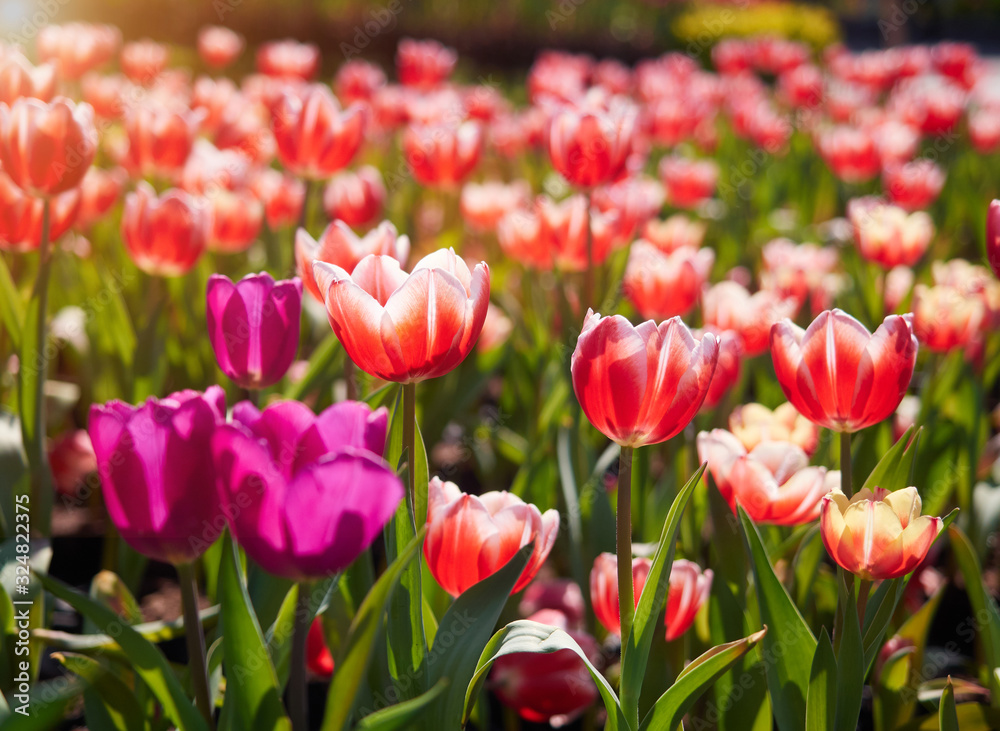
[
  {"x": 442, "y": 154},
  {"x": 471, "y": 537},
  {"x": 879, "y": 535},
  {"x": 21, "y": 216},
  {"x": 356, "y": 198},
  {"x": 754, "y": 423},
  {"x": 76, "y": 48},
  {"x": 641, "y": 385},
  {"x": 160, "y": 139},
  {"x": 406, "y": 328},
  {"x": 236, "y": 220},
  {"x": 19, "y": 78},
  {"x": 282, "y": 196},
  {"x": 142, "y": 61}
]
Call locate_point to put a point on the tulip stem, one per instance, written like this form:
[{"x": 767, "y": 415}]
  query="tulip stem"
[
  {"x": 626, "y": 593},
  {"x": 304, "y": 213},
  {"x": 298, "y": 697},
  {"x": 351, "y": 379},
  {"x": 863, "y": 591},
  {"x": 194, "y": 635},
  {"x": 410, "y": 445},
  {"x": 845, "y": 463},
  {"x": 588, "y": 281},
  {"x": 32, "y": 371}
]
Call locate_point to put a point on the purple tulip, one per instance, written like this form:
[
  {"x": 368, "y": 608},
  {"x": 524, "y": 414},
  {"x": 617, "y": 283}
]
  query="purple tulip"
[
  {"x": 254, "y": 326},
  {"x": 307, "y": 494},
  {"x": 157, "y": 470}
]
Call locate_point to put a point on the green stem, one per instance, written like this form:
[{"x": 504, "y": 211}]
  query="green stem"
[
  {"x": 845, "y": 463},
  {"x": 34, "y": 365},
  {"x": 351, "y": 379},
  {"x": 588, "y": 281},
  {"x": 410, "y": 445},
  {"x": 194, "y": 635},
  {"x": 298, "y": 698},
  {"x": 863, "y": 592},
  {"x": 626, "y": 594},
  {"x": 304, "y": 213}
]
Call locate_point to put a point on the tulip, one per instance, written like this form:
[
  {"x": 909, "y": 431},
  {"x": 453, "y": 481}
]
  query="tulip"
[
  {"x": 209, "y": 170},
  {"x": 106, "y": 94},
  {"x": 142, "y": 61},
  {"x": 914, "y": 185},
  {"x": 779, "y": 497},
  {"x": 850, "y": 153},
  {"x": 339, "y": 245},
  {"x": 71, "y": 459},
  {"x": 217, "y": 99},
  {"x": 357, "y": 198},
  {"x": 406, "y": 328},
  {"x": 497, "y": 328},
  {"x": 46, "y": 149},
  {"x": 993, "y": 236},
  {"x": 641, "y": 385},
  {"x": 99, "y": 190},
  {"x": 313, "y": 491},
  {"x": 254, "y": 327},
  {"x": 471, "y": 537},
  {"x": 565, "y": 232},
  {"x": 755, "y": 423},
  {"x": 676, "y": 232},
  {"x": 288, "y": 60},
  {"x": 879, "y": 535},
  {"x": 21, "y": 216},
  {"x": 76, "y": 48},
  {"x": 219, "y": 46},
  {"x": 729, "y": 367},
  {"x": 589, "y": 145},
  {"x": 357, "y": 81},
  {"x": 604, "y": 589},
  {"x": 282, "y": 196},
  {"x": 946, "y": 317},
  {"x": 633, "y": 200},
  {"x": 838, "y": 374},
  {"x": 424, "y": 64},
  {"x": 442, "y": 154},
  {"x": 19, "y": 78},
  {"x": 236, "y": 221},
  {"x": 932, "y": 104},
  {"x": 164, "y": 235},
  {"x": 315, "y": 137},
  {"x": 688, "y": 182},
  {"x": 729, "y": 306},
  {"x": 484, "y": 205},
  {"x": 159, "y": 139},
  {"x": 803, "y": 272},
  {"x": 561, "y": 595},
  {"x": 554, "y": 688},
  {"x": 664, "y": 285},
  {"x": 984, "y": 130},
  {"x": 886, "y": 235},
  {"x": 157, "y": 472},
  {"x": 318, "y": 657},
  {"x": 722, "y": 450}
]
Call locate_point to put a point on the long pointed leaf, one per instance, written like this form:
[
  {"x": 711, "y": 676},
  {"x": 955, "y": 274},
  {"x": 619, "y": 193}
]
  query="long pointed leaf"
[
  {"x": 148, "y": 662},
  {"x": 790, "y": 641},
  {"x": 118, "y": 699},
  {"x": 694, "y": 680},
  {"x": 352, "y": 662},
  {"x": 527, "y": 636},
  {"x": 893, "y": 471},
  {"x": 635, "y": 651},
  {"x": 402, "y": 715},
  {"x": 821, "y": 698},
  {"x": 251, "y": 683}
]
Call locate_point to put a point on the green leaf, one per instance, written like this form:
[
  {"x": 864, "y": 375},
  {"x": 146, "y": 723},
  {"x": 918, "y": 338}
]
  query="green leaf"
[
  {"x": 894, "y": 469},
  {"x": 947, "y": 714},
  {"x": 851, "y": 669},
  {"x": 821, "y": 698},
  {"x": 352, "y": 662},
  {"x": 789, "y": 640},
  {"x": 463, "y": 632},
  {"x": 325, "y": 361},
  {"x": 11, "y": 306},
  {"x": 107, "y": 588},
  {"x": 148, "y": 662},
  {"x": 982, "y": 602},
  {"x": 251, "y": 683},
  {"x": 47, "y": 707},
  {"x": 527, "y": 636},
  {"x": 117, "y": 698},
  {"x": 694, "y": 680},
  {"x": 648, "y": 612},
  {"x": 405, "y": 715}
]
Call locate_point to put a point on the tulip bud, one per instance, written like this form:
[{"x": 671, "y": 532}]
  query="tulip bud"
[{"x": 879, "y": 535}]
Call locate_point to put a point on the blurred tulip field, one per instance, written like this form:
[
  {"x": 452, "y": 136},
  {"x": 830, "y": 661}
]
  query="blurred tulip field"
[{"x": 346, "y": 389}]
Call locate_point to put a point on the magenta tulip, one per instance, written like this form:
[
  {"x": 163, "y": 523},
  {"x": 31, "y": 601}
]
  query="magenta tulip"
[
  {"x": 157, "y": 471},
  {"x": 307, "y": 494},
  {"x": 254, "y": 327}
]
